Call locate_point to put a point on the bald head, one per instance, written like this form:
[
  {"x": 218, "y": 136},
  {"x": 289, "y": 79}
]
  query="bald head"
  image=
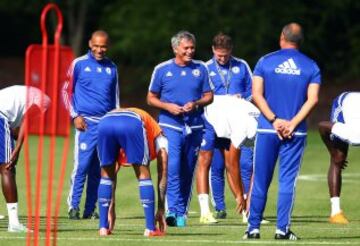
[
  {"x": 292, "y": 33},
  {"x": 98, "y": 44},
  {"x": 99, "y": 33}
]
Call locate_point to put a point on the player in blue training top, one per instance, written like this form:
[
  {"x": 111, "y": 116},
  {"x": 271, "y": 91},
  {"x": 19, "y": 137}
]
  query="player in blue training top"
[
  {"x": 94, "y": 85},
  {"x": 286, "y": 85},
  {"x": 180, "y": 88},
  {"x": 342, "y": 130},
  {"x": 228, "y": 76}
]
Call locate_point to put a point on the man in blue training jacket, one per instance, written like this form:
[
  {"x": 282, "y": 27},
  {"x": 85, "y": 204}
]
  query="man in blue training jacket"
[{"x": 94, "y": 86}]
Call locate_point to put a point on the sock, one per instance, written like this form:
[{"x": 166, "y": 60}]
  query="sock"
[
  {"x": 335, "y": 205},
  {"x": 204, "y": 204},
  {"x": 147, "y": 197},
  {"x": 104, "y": 199},
  {"x": 278, "y": 231},
  {"x": 254, "y": 231},
  {"x": 13, "y": 213}
]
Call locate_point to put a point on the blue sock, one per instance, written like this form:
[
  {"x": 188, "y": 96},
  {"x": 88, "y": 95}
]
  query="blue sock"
[
  {"x": 147, "y": 198},
  {"x": 104, "y": 199},
  {"x": 218, "y": 180}
]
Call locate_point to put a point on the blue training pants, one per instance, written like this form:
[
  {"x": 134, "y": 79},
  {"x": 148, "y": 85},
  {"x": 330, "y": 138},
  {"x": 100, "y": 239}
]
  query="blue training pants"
[
  {"x": 268, "y": 148},
  {"x": 182, "y": 157},
  {"x": 86, "y": 167}
]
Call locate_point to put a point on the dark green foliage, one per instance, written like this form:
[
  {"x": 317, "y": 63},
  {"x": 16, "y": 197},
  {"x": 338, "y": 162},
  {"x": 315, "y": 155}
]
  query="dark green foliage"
[{"x": 141, "y": 29}]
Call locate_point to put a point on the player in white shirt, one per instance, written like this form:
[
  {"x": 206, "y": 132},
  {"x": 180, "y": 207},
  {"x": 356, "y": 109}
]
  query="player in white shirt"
[
  {"x": 16, "y": 103},
  {"x": 342, "y": 130}
]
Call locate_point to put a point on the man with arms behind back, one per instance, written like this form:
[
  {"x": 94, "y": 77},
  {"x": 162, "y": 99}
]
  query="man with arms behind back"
[{"x": 286, "y": 85}]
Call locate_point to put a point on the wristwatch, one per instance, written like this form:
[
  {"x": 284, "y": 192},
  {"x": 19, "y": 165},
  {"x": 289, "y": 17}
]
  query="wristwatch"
[{"x": 273, "y": 119}]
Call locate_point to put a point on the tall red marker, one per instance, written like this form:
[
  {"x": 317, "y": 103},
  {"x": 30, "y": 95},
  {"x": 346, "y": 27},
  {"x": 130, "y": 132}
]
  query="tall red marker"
[{"x": 46, "y": 68}]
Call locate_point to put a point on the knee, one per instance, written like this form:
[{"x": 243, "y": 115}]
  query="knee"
[
  {"x": 6, "y": 172},
  {"x": 324, "y": 127},
  {"x": 206, "y": 155},
  {"x": 339, "y": 159}
]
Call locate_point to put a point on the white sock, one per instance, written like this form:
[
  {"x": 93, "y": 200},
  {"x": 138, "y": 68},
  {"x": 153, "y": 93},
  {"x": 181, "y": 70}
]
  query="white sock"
[
  {"x": 13, "y": 213},
  {"x": 335, "y": 205},
  {"x": 204, "y": 204},
  {"x": 278, "y": 231}
]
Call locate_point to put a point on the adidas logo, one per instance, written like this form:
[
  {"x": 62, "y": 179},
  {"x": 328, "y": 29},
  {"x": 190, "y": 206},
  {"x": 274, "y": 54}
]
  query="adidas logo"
[
  {"x": 87, "y": 69},
  {"x": 169, "y": 74},
  {"x": 288, "y": 67}
]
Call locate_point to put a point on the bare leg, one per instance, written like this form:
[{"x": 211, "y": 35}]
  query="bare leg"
[
  {"x": 8, "y": 184},
  {"x": 234, "y": 177},
  {"x": 202, "y": 172},
  {"x": 338, "y": 153},
  {"x": 202, "y": 185},
  {"x": 142, "y": 172}
]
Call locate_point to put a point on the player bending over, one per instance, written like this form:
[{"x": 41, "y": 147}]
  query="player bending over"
[
  {"x": 140, "y": 137},
  {"x": 337, "y": 134},
  {"x": 227, "y": 129},
  {"x": 17, "y": 102}
]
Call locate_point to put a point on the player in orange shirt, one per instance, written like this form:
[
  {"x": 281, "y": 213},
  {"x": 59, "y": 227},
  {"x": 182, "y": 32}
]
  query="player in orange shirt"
[{"x": 140, "y": 139}]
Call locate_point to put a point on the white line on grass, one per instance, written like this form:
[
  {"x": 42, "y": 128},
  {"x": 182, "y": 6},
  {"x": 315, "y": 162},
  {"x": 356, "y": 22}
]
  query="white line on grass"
[
  {"x": 212, "y": 227},
  {"x": 161, "y": 240},
  {"x": 348, "y": 177}
]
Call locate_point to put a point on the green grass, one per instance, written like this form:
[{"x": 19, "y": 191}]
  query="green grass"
[{"x": 310, "y": 213}]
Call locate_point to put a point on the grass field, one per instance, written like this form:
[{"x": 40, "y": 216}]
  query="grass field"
[{"x": 310, "y": 213}]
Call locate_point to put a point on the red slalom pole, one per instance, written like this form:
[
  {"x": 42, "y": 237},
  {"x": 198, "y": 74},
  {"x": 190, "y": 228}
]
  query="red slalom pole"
[
  {"x": 44, "y": 61},
  {"x": 27, "y": 158},
  {"x": 45, "y": 68},
  {"x": 53, "y": 119},
  {"x": 61, "y": 184}
]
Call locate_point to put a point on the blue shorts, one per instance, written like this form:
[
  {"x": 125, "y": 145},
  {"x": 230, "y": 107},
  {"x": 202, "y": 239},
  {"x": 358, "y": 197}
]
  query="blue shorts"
[
  {"x": 122, "y": 130},
  {"x": 336, "y": 114},
  {"x": 6, "y": 141},
  {"x": 210, "y": 141},
  {"x": 345, "y": 117}
]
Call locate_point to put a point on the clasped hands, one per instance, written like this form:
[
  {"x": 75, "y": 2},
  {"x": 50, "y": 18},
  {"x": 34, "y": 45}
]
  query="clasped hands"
[
  {"x": 284, "y": 128},
  {"x": 176, "y": 109}
]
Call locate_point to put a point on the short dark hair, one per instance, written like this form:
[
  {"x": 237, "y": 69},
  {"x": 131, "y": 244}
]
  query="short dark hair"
[
  {"x": 222, "y": 41},
  {"x": 293, "y": 33}
]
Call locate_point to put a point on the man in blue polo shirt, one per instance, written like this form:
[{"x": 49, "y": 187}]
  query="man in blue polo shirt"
[
  {"x": 180, "y": 88},
  {"x": 286, "y": 84},
  {"x": 94, "y": 84}
]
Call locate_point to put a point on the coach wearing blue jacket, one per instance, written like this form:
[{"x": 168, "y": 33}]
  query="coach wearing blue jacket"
[
  {"x": 286, "y": 85},
  {"x": 94, "y": 85}
]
